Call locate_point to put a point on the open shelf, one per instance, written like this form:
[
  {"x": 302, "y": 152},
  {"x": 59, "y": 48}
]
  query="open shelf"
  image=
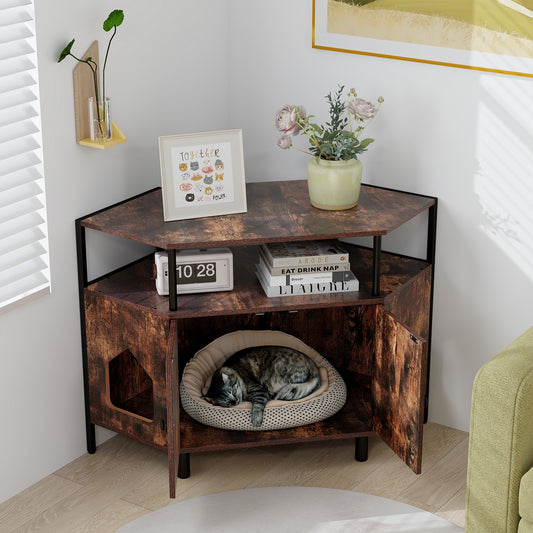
[
  {"x": 353, "y": 420},
  {"x": 135, "y": 285}
]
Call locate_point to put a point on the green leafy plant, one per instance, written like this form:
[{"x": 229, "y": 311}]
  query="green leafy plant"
[
  {"x": 112, "y": 22},
  {"x": 339, "y": 138}
]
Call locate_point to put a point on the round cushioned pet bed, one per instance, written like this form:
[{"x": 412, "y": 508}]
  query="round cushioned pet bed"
[{"x": 321, "y": 404}]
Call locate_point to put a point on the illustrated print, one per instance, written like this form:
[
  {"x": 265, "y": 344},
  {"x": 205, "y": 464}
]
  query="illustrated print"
[
  {"x": 207, "y": 168},
  {"x": 202, "y": 174}
]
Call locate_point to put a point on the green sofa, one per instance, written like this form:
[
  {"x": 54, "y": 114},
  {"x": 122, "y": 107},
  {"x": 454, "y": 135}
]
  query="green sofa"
[{"x": 500, "y": 456}]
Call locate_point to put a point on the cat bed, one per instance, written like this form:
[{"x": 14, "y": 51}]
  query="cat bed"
[{"x": 322, "y": 403}]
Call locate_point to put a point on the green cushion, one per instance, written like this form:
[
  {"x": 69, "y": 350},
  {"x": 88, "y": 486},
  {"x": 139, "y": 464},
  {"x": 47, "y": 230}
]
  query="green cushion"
[
  {"x": 501, "y": 438},
  {"x": 525, "y": 499},
  {"x": 525, "y": 526}
]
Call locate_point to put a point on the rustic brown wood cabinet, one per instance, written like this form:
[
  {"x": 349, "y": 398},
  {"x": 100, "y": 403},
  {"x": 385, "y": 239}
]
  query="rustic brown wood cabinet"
[{"x": 135, "y": 343}]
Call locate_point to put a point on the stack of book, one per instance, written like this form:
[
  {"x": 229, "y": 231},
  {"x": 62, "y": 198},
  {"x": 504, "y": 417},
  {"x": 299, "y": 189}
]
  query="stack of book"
[{"x": 307, "y": 267}]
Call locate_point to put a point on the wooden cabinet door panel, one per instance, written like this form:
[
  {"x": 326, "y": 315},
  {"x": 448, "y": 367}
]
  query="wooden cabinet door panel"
[
  {"x": 173, "y": 416},
  {"x": 126, "y": 348},
  {"x": 398, "y": 386}
]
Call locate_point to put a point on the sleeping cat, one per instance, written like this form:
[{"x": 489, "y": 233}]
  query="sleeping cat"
[{"x": 262, "y": 373}]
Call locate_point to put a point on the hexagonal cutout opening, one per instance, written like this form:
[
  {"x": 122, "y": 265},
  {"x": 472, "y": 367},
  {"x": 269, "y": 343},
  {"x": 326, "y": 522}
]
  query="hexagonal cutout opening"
[{"x": 130, "y": 387}]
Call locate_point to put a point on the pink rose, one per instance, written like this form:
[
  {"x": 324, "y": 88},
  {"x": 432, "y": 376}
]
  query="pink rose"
[
  {"x": 285, "y": 142},
  {"x": 287, "y": 119},
  {"x": 361, "y": 108}
]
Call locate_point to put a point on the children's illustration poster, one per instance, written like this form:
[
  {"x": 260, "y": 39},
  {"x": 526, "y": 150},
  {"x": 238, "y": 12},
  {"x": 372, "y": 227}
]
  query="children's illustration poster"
[{"x": 202, "y": 174}]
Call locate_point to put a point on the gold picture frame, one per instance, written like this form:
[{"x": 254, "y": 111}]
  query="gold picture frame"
[{"x": 359, "y": 29}]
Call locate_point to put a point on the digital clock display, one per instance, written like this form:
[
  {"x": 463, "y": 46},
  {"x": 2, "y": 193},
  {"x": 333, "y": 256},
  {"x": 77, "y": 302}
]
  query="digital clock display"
[
  {"x": 196, "y": 273},
  {"x": 197, "y": 270}
]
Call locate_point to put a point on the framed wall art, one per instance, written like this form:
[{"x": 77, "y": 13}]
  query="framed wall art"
[
  {"x": 486, "y": 35},
  {"x": 202, "y": 174}
]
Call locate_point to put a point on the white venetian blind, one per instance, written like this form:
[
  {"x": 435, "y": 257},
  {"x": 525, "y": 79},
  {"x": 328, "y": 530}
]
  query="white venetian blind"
[{"x": 24, "y": 268}]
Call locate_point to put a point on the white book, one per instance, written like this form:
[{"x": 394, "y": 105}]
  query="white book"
[
  {"x": 271, "y": 291},
  {"x": 305, "y": 253},
  {"x": 292, "y": 279},
  {"x": 303, "y": 269}
]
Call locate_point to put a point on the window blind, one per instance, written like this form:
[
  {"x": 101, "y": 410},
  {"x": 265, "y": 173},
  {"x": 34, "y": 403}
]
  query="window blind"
[{"x": 24, "y": 264}]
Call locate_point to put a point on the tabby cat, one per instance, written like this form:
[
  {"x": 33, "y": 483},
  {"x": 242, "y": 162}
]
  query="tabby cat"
[{"x": 262, "y": 373}]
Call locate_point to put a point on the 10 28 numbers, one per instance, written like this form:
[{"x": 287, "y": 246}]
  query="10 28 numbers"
[{"x": 196, "y": 272}]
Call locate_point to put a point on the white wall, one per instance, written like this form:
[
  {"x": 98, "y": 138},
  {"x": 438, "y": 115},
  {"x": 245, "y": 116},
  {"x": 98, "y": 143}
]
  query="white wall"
[
  {"x": 183, "y": 66},
  {"x": 167, "y": 73},
  {"x": 463, "y": 136}
]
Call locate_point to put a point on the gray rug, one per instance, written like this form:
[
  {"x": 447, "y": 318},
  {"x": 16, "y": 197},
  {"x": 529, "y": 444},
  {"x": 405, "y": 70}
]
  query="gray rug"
[{"x": 289, "y": 509}]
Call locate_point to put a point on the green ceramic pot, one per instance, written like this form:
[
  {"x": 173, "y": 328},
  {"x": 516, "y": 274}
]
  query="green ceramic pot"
[{"x": 334, "y": 185}]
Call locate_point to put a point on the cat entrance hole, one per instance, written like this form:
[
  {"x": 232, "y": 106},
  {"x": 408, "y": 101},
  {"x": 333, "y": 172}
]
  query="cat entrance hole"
[{"x": 130, "y": 387}]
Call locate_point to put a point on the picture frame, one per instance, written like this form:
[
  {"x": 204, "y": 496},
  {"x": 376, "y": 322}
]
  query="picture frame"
[
  {"x": 202, "y": 174},
  {"x": 337, "y": 28}
]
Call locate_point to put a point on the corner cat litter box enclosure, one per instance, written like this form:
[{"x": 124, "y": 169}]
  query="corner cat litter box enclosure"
[{"x": 321, "y": 404}]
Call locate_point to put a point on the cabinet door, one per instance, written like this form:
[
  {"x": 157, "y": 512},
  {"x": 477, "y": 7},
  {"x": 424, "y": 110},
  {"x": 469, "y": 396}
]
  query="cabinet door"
[
  {"x": 173, "y": 417},
  {"x": 398, "y": 388}
]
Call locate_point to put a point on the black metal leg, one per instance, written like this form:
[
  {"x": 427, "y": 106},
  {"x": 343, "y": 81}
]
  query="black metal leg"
[
  {"x": 430, "y": 258},
  {"x": 172, "y": 288},
  {"x": 361, "y": 449},
  {"x": 81, "y": 252},
  {"x": 376, "y": 288},
  {"x": 184, "y": 466},
  {"x": 91, "y": 438}
]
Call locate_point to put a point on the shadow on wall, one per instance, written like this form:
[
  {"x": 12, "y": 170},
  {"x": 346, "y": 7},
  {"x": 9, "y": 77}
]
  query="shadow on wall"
[{"x": 503, "y": 182}]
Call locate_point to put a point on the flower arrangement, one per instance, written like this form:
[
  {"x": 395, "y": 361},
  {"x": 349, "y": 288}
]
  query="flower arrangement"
[
  {"x": 114, "y": 19},
  {"x": 336, "y": 140}
]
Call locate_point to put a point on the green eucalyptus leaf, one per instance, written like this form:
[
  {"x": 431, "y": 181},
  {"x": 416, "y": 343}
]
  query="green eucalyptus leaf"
[
  {"x": 366, "y": 142},
  {"x": 66, "y": 51},
  {"x": 114, "y": 19}
]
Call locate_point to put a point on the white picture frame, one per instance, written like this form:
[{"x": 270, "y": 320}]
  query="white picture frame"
[
  {"x": 356, "y": 41},
  {"x": 202, "y": 174}
]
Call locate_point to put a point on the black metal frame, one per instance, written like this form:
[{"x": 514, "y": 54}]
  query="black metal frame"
[{"x": 83, "y": 282}]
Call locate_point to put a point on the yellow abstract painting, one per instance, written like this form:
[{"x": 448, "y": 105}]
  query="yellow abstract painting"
[{"x": 494, "y": 35}]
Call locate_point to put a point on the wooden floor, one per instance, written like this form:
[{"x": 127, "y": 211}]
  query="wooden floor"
[{"x": 124, "y": 480}]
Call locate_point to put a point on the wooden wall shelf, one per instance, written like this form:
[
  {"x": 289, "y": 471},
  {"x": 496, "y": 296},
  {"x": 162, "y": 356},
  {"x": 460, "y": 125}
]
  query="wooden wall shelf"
[{"x": 83, "y": 90}]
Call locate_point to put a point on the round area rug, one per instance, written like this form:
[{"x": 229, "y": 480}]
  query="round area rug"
[{"x": 289, "y": 509}]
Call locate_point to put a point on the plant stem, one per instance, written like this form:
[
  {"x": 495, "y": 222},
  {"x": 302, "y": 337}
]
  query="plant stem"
[
  {"x": 303, "y": 151},
  {"x": 105, "y": 62},
  {"x": 95, "y": 78},
  {"x": 93, "y": 66}
]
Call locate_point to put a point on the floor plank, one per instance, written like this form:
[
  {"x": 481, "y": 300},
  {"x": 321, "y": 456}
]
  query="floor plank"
[
  {"x": 34, "y": 501},
  {"x": 124, "y": 479},
  {"x": 440, "y": 482},
  {"x": 114, "y": 516}
]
